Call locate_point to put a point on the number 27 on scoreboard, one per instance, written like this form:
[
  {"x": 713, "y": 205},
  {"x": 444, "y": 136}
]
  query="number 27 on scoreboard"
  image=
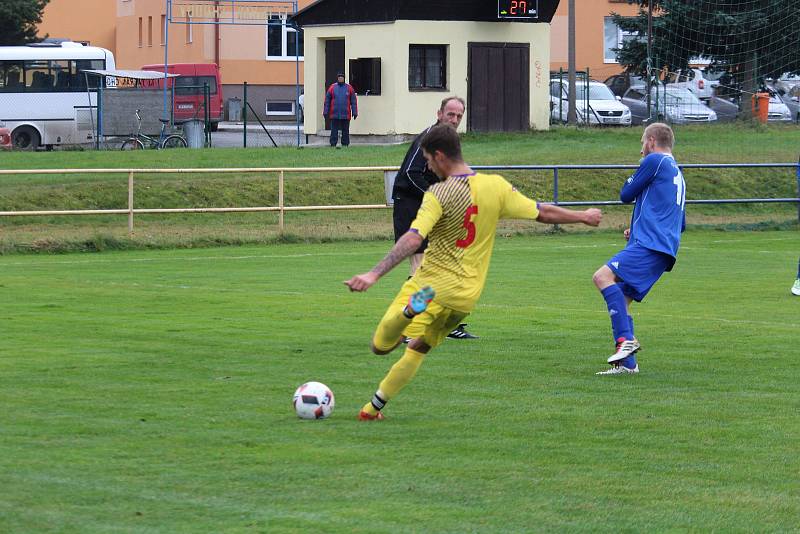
[{"x": 517, "y": 9}]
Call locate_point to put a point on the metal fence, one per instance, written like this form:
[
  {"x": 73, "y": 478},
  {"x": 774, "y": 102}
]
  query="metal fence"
[{"x": 131, "y": 211}]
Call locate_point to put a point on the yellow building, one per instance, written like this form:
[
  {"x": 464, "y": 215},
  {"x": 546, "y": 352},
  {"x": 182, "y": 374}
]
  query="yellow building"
[{"x": 404, "y": 57}]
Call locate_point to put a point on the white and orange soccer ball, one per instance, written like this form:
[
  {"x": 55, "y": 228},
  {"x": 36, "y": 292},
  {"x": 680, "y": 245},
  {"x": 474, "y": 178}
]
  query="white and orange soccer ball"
[{"x": 313, "y": 400}]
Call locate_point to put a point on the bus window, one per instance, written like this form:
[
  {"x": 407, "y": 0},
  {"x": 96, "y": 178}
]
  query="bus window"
[{"x": 11, "y": 76}]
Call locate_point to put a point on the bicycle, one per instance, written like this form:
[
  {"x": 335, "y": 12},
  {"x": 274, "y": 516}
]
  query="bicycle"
[{"x": 137, "y": 141}]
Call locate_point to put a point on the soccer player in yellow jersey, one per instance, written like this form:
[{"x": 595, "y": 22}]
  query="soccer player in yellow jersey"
[{"x": 459, "y": 217}]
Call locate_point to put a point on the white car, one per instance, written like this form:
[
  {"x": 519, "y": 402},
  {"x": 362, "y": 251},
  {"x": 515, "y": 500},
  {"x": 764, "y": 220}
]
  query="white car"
[
  {"x": 787, "y": 82},
  {"x": 778, "y": 111},
  {"x": 695, "y": 81},
  {"x": 602, "y": 107}
]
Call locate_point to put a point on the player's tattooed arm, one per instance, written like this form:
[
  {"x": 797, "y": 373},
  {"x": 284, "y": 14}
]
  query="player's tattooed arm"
[{"x": 405, "y": 247}]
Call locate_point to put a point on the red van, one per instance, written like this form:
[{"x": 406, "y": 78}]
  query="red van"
[{"x": 189, "y": 87}]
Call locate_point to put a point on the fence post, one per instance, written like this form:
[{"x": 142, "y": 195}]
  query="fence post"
[
  {"x": 207, "y": 113},
  {"x": 280, "y": 202},
  {"x": 244, "y": 114},
  {"x": 130, "y": 204},
  {"x": 555, "y": 190}
]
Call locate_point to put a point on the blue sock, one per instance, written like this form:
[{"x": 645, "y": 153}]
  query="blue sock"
[
  {"x": 617, "y": 310},
  {"x": 798, "y": 265},
  {"x": 630, "y": 361}
]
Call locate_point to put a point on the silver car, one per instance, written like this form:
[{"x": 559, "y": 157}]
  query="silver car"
[{"x": 675, "y": 105}]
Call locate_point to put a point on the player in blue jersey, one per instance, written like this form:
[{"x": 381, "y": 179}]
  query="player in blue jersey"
[{"x": 654, "y": 236}]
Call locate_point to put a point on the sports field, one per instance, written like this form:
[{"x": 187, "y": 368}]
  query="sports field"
[{"x": 150, "y": 391}]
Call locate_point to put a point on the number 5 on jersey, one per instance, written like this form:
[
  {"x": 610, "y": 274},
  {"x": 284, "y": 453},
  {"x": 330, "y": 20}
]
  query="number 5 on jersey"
[{"x": 470, "y": 226}]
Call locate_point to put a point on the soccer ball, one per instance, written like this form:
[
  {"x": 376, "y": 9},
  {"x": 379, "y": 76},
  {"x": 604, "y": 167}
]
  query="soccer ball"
[{"x": 313, "y": 400}]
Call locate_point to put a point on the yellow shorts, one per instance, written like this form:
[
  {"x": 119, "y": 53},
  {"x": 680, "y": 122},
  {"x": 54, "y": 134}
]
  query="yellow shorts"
[{"x": 432, "y": 325}]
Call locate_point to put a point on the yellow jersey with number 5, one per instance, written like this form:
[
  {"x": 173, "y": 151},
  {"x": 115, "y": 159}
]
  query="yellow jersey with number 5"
[{"x": 459, "y": 218}]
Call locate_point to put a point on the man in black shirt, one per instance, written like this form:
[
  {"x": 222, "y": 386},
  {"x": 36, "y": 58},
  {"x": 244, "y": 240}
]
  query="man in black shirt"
[{"x": 413, "y": 179}]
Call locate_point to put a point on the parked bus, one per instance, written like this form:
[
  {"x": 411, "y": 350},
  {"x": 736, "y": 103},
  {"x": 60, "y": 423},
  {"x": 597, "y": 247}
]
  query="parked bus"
[
  {"x": 43, "y": 95},
  {"x": 189, "y": 89}
]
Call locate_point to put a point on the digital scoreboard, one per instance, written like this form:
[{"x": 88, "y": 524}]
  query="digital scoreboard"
[{"x": 517, "y": 9}]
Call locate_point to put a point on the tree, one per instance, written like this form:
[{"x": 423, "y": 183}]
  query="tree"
[
  {"x": 18, "y": 20},
  {"x": 751, "y": 39}
]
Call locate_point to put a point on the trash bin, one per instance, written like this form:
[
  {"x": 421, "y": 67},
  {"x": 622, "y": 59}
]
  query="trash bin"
[
  {"x": 234, "y": 109},
  {"x": 761, "y": 107},
  {"x": 194, "y": 130}
]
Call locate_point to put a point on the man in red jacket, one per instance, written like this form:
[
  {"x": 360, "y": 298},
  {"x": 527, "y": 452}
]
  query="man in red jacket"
[{"x": 340, "y": 105}]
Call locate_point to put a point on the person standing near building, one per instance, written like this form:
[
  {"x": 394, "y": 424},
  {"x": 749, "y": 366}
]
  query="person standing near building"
[
  {"x": 340, "y": 105},
  {"x": 657, "y": 222},
  {"x": 459, "y": 215},
  {"x": 411, "y": 182}
]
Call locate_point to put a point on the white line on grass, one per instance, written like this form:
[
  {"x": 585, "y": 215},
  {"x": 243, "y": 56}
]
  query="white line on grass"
[{"x": 665, "y": 315}]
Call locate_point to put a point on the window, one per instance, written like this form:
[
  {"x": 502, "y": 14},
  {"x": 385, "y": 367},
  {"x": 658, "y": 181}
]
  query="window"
[
  {"x": 195, "y": 85},
  {"x": 163, "y": 30},
  {"x": 365, "y": 75},
  {"x": 141, "y": 32},
  {"x": 149, "y": 31},
  {"x": 38, "y": 76},
  {"x": 283, "y": 41},
  {"x": 614, "y": 37},
  {"x": 11, "y": 77},
  {"x": 284, "y": 107},
  {"x": 558, "y": 89},
  {"x": 427, "y": 67}
]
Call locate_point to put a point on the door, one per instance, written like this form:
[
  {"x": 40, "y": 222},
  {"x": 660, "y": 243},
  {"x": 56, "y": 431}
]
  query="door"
[
  {"x": 499, "y": 87},
  {"x": 334, "y": 63}
]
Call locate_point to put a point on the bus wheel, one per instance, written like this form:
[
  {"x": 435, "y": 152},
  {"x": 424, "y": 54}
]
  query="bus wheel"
[{"x": 25, "y": 138}]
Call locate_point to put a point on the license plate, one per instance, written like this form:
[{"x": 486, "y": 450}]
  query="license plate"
[
  {"x": 185, "y": 106},
  {"x": 613, "y": 120}
]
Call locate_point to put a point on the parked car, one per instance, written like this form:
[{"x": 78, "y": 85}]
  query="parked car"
[
  {"x": 619, "y": 83},
  {"x": 5, "y": 138},
  {"x": 778, "y": 110},
  {"x": 676, "y": 105},
  {"x": 787, "y": 82},
  {"x": 696, "y": 81},
  {"x": 603, "y": 107},
  {"x": 792, "y": 101}
]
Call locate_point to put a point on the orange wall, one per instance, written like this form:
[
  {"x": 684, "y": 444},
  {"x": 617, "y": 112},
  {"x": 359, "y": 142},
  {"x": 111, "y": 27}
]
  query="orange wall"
[
  {"x": 114, "y": 24},
  {"x": 589, "y": 45},
  {"x": 242, "y": 48},
  {"x": 81, "y": 20}
]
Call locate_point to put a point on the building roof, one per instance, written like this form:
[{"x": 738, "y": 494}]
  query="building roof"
[{"x": 324, "y": 12}]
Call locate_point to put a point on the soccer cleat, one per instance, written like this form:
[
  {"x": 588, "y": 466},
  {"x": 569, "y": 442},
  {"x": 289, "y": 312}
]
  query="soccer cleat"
[
  {"x": 624, "y": 349},
  {"x": 460, "y": 332},
  {"x": 364, "y": 416},
  {"x": 418, "y": 302},
  {"x": 619, "y": 370},
  {"x": 796, "y": 287}
]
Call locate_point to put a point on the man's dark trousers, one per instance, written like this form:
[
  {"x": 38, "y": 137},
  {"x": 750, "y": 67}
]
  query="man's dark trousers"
[{"x": 344, "y": 126}]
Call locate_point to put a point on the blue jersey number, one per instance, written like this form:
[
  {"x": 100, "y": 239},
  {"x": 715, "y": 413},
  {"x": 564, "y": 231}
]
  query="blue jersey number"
[{"x": 680, "y": 193}]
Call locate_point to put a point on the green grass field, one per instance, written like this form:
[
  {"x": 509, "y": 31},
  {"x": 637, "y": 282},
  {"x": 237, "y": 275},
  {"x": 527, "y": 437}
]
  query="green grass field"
[
  {"x": 150, "y": 391},
  {"x": 696, "y": 144}
]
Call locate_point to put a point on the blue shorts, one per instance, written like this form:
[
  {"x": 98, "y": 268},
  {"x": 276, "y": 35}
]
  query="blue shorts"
[{"x": 639, "y": 268}]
